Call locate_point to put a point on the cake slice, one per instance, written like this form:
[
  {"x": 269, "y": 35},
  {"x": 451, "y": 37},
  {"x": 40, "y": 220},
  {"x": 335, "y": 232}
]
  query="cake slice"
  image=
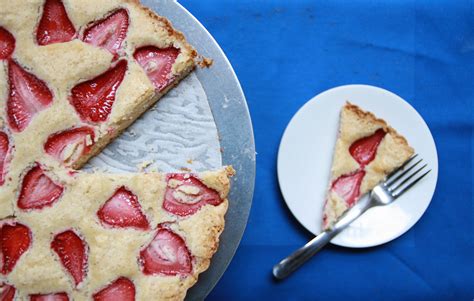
[
  {"x": 112, "y": 237},
  {"x": 367, "y": 150}
]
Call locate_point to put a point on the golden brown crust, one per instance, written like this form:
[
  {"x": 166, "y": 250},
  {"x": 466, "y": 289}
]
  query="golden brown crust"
[
  {"x": 197, "y": 59},
  {"x": 169, "y": 27},
  {"x": 370, "y": 117}
]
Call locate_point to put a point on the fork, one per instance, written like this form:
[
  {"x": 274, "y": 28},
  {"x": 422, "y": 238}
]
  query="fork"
[{"x": 395, "y": 185}]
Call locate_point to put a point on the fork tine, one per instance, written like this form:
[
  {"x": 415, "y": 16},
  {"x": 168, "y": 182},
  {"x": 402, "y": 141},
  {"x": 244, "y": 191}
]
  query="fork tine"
[
  {"x": 401, "y": 167},
  {"x": 392, "y": 181},
  {"x": 406, "y": 179},
  {"x": 406, "y": 188}
]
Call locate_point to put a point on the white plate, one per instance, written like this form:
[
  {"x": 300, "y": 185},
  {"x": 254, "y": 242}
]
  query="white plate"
[{"x": 305, "y": 156}]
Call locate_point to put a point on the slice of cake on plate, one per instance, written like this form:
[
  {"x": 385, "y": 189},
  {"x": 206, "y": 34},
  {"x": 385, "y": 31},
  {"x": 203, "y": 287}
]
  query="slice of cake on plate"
[{"x": 367, "y": 150}]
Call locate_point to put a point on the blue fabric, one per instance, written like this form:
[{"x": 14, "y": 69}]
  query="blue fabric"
[{"x": 284, "y": 53}]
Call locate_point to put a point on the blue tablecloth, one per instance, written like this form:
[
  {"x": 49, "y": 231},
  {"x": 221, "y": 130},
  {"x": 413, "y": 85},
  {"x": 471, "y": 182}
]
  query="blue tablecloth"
[{"x": 284, "y": 53}]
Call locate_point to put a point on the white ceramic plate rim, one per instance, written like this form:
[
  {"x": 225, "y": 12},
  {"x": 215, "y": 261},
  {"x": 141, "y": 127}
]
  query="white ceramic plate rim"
[{"x": 344, "y": 239}]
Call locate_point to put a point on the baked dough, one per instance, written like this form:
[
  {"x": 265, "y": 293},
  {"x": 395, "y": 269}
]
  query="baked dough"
[
  {"x": 389, "y": 151},
  {"x": 113, "y": 252},
  {"x": 55, "y": 218}
]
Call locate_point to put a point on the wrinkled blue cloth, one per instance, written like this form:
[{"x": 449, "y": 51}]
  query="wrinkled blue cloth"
[{"x": 284, "y": 53}]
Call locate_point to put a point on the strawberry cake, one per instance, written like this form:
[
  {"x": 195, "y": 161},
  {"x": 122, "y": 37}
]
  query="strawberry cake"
[
  {"x": 111, "y": 237},
  {"x": 367, "y": 150},
  {"x": 73, "y": 75}
]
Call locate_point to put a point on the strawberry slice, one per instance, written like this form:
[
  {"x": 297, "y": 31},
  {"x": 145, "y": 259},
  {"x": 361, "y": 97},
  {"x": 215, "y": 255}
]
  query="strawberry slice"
[
  {"x": 28, "y": 96},
  {"x": 54, "y": 26},
  {"x": 157, "y": 64},
  {"x": 348, "y": 186},
  {"x": 7, "y": 292},
  {"x": 7, "y": 43},
  {"x": 123, "y": 210},
  {"x": 71, "y": 250},
  {"x": 50, "y": 297},
  {"x": 4, "y": 151},
  {"x": 109, "y": 32},
  {"x": 15, "y": 239},
  {"x": 38, "y": 190},
  {"x": 93, "y": 99},
  {"x": 67, "y": 146},
  {"x": 186, "y": 194},
  {"x": 121, "y": 289},
  {"x": 166, "y": 254},
  {"x": 364, "y": 149}
]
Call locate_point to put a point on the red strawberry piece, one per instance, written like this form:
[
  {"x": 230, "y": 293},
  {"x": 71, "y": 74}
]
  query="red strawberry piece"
[
  {"x": 7, "y": 292},
  {"x": 364, "y": 149},
  {"x": 7, "y": 43},
  {"x": 325, "y": 219},
  {"x": 186, "y": 194},
  {"x": 157, "y": 64},
  {"x": 123, "y": 210},
  {"x": 38, "y": 190},
  {"x": 50, "y": 297},
  {"x": 93, "y": 99},
  {"x": 348, "y": 186},
  {"x": 71, "y": 250},
  {"x": 28, "y": 96},
  {"x": 166, "y": 254},
  {"x": 15, "y": 239},
  {"x": 54, "y": 26},
  {"x": 67, "y": 146},
  {"x": 109, "y": 32},
  {"x": 4, "y": 150},
  {"x": 121, "y": 289}
]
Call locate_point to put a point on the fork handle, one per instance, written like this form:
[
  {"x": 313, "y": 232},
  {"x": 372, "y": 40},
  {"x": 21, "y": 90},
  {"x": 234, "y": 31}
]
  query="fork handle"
[{"x": 300, "y": 256}]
